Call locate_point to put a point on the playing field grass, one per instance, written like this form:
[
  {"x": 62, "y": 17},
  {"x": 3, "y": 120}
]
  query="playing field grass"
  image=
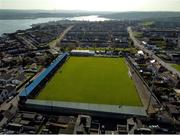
[
  {"x": 92, "y": 80},
  {"x": 176, "y": 66}
]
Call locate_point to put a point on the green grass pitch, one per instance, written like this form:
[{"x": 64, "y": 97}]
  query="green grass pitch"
[{"x": 92, "y": 80}]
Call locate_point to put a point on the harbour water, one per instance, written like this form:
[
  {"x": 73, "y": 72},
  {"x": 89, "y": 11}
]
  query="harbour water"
[{"x": 10, "y": 26}]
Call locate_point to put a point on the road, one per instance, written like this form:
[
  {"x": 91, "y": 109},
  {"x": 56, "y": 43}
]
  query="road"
[
  {"x": 137, "y": 44},
  {"x": 53, "y": 46}
]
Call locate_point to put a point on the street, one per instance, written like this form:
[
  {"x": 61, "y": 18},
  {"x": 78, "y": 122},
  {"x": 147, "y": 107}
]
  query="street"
[
  {"x": 137, "y": 44},
  {"x": 53, "y": 46}
]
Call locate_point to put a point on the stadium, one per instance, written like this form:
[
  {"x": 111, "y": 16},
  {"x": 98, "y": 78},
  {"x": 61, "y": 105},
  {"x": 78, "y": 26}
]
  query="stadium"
[{"x": 88, "y": 85}]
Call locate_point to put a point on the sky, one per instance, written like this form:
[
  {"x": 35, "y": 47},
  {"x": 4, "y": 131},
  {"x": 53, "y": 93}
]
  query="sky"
[{"x": 93, "y": 5}]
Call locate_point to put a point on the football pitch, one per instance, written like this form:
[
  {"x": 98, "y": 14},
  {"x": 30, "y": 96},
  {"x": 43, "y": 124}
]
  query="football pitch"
[{"x": 92, "y": 80}]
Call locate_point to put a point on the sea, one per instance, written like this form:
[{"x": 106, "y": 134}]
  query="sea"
[{"x": 10, "y": 26}]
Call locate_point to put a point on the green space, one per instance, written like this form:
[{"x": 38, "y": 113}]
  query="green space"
[
  {"x": 131, "y": 49},
  {"x": 176, "y": 66},
  {"x": 92, "y": 80},
  {"x": 147, "y": 23},
  {"x": 138, "y": 34}
]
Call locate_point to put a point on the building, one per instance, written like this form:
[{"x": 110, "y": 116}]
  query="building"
[
  {"x": 82, "y": 53},
  {"x": 3, "y": 95},
  {"x": 7, "y": 91},
  {"x": 83, "y": 124},
  {"x": 179, "y": 42}
]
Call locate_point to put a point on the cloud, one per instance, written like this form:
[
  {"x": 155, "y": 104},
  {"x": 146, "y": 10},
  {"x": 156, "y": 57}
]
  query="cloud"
[{"x": 98, "y": 5}]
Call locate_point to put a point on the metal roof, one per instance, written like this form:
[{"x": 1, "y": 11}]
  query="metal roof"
[
  {"x": 113, "y": 109},
  {"x": 82, "y": 51},
  {"x": 42, "y": 76}
]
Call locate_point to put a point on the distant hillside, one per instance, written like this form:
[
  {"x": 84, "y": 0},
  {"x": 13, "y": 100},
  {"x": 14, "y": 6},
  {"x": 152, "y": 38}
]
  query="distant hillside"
[
  {"x": 33, "y": 14},
  {"x": 141, "y": 15},
  {"x": 167, "y": 19}
]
